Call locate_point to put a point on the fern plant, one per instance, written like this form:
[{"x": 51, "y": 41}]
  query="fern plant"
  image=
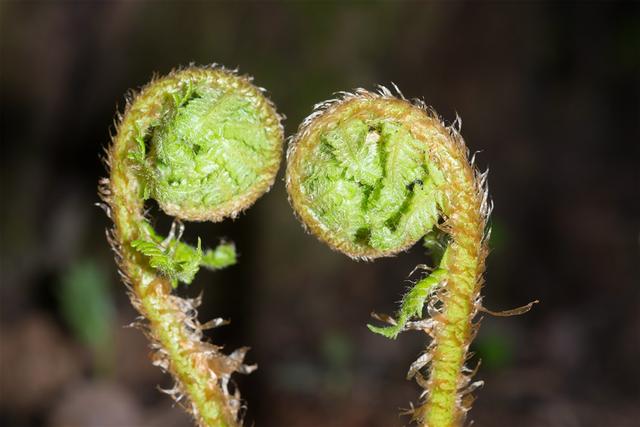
[
  {"x": 370, "y": 174},
  {"x": 205, "y": 144}
]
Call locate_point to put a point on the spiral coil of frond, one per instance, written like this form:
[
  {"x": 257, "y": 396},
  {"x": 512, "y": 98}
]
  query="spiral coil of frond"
[
  {"x": 205, "y": 143},
  {"x": 370, "y": 174}
]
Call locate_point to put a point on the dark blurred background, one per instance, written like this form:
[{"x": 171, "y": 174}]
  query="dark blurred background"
[{"x": 548, "y": 94}]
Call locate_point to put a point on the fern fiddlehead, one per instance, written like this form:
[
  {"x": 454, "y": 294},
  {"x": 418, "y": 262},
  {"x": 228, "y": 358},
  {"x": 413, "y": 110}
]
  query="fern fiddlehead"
[
  {"x": 370, "y": 174},
  {"x": 205, "y": 144}
]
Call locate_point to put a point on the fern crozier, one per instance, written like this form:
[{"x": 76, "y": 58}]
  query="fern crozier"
[
  {"x": 370, "y": 174},
  {"x": 205, "y": 144}
]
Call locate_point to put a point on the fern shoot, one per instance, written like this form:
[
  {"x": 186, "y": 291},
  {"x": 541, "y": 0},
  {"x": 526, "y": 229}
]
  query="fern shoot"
[
  {"x": 371, "y": 174},
  {"x": 205, "y": 144}
]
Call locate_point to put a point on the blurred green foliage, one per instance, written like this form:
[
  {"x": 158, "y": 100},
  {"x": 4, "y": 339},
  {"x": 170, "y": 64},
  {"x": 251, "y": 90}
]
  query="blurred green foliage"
[
  {"x": 499, "y": 235},
  {"x": 495, "y": 350},
  {"x": 86, "y": 304},
  {"x": 337, "y": 350}
]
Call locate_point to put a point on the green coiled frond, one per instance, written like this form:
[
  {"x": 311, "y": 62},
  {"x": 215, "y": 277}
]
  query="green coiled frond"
[
  {"x": 205, "y": 144},
  {"x": 363, "y": 183},
  {"x": 370, "y": 174}
]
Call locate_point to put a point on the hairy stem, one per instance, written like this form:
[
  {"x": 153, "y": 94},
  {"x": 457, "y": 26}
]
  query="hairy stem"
[{"x": 454, "y": 329}]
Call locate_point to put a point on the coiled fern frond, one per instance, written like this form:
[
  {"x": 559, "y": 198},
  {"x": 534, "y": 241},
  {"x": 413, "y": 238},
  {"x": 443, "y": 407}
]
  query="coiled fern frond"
[
  {"x": 205, "y": 143},
  {"x": 371, "y": 174}
]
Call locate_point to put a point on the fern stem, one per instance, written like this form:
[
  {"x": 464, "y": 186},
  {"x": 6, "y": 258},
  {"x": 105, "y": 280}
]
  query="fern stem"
[{"x": 447, "y": 399}]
